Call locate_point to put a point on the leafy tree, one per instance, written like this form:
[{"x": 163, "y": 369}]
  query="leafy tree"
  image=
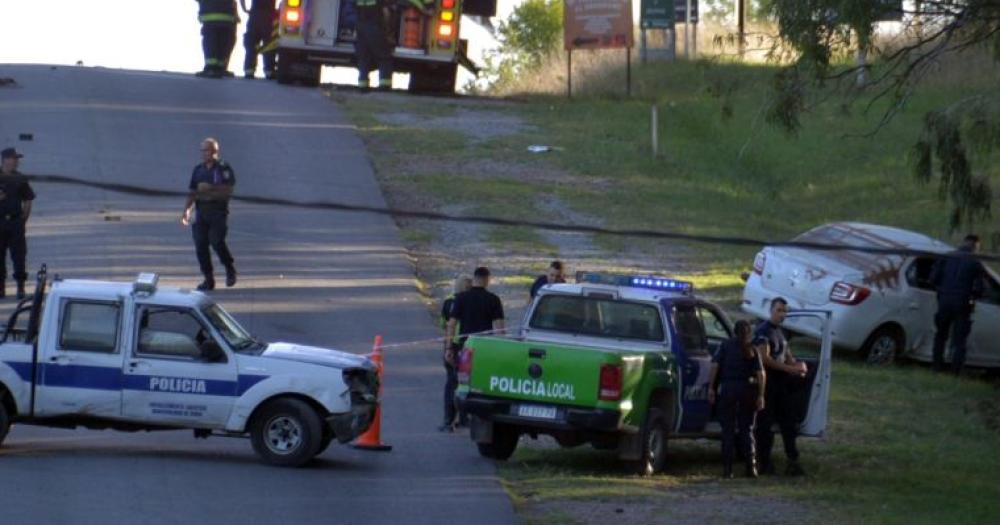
[
  {"x": 533, "y": 30},
  {"x": 824, "y": 34}
]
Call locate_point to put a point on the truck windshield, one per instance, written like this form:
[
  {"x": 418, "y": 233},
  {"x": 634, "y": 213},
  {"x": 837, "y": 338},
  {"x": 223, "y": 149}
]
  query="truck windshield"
[
  {"x": 598, "y": 316},
  {"x": 235, "y": 335}
]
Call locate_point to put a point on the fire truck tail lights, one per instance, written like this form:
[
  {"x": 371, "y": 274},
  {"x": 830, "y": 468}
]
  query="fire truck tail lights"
[
  {"x": 292, "y": 16},
  {"x": 445, "y": 30}
]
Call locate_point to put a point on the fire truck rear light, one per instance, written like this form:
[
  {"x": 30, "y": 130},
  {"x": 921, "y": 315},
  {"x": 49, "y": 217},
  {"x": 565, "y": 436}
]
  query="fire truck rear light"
[
  {"x": 610, "y": 385},
  {"x": 445, "y": 30},
  {"x": 848, "y": 294},
  {"x": 447, "y": 16},
  {"x": 447, "y": 4},
  {"x": 292, "y": 16},
  {"x": 294, "y": 3}
]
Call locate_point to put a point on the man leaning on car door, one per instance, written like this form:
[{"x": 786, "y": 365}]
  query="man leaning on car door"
[{"x": 958, "y": 279}]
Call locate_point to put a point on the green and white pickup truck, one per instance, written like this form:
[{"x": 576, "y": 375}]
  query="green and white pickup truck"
[{"x": 618, "y": 361}]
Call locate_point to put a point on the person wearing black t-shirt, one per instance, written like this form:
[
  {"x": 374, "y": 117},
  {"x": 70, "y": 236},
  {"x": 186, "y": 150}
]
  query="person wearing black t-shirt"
[
  {"x": 553, "y": 275},
  {"x": 15, "y": 208},
  {"x": 474, "y": 311}
]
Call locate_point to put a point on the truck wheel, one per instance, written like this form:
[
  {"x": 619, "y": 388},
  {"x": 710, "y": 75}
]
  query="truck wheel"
[
  {"x": 653, "y": 436},
  {"x": 325, "y": 442},
  {"x": 504, "y": 442},
  {"x": 286, "y": 432},
  {"x": 4, "y": 421},
  {"x": 883, "y": 346}
]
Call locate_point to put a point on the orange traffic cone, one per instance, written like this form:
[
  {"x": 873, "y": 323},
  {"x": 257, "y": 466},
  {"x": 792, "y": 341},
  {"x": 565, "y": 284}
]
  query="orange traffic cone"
[{"x": 371, "y": 439}]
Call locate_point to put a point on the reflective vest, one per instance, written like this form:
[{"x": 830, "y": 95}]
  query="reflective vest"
[{"x": 217, "y": 11}]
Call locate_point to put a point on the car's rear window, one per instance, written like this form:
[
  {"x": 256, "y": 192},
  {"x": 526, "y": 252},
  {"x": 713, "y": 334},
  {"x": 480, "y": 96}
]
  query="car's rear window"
[{"x": 598, "y": 317}]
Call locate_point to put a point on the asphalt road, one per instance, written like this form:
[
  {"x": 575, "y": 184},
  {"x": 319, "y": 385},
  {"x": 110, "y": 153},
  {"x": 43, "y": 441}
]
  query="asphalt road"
[{"x": 322, "y": 278}]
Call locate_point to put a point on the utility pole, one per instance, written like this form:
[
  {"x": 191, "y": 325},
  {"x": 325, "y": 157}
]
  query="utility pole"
[{"x": 741, "y": 16}]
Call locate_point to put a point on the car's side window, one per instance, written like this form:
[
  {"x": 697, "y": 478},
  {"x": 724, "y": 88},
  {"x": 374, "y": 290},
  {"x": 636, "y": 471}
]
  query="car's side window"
[
  {"x": 169, "y": 332},
  {"x": 991, "y": 290},
  {"x": 89, "y": 326},
  {"x": 918, "y": 275},
  {"x": 690, "y": 330},
  {"x": 715, "y": 327}
]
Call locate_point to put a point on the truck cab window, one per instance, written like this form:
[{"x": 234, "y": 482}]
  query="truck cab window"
[
  {"x": 715, "y": 328},
  {"x": 89, "y": 327},
  {"x": 690, "y": 329},
  {"x": 170, "y": 332},
  {"x": 598, "y": 316}
]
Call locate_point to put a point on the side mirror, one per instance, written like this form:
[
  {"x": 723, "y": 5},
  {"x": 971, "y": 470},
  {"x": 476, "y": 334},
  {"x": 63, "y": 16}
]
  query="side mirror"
[{"x": 212, "y": 352}]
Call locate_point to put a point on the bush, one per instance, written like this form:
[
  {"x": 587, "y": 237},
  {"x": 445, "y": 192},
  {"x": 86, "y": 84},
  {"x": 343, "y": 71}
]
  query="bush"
[{"x": 533, "y": 31}]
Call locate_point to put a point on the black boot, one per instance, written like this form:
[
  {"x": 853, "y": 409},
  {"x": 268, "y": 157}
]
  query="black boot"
[
  {"x": 230, "y": 276},
  {"x": 3, "y": 289},
  {"x": 20, "y": 290},
  {"x": 207, "y": 284}
]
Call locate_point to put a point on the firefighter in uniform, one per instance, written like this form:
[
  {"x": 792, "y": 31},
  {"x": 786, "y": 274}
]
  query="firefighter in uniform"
[
  {"x": 372, "y": 45},
  {"x": 211, "y": 186},
  {"x": 740, "y": 374},
  {"x": 15, "y": 208},
  {"x": 260, "y": 25},
  {"x": 218, "y": 35}
]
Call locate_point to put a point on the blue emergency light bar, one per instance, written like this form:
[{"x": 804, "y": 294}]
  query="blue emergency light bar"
[{"x": 635, "y": 281}]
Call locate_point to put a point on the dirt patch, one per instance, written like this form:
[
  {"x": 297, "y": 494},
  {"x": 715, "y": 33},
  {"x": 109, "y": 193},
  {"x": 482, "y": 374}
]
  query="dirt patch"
[
  {"x": 702, "y": 504},
  {"x": 477, "y": 125}
]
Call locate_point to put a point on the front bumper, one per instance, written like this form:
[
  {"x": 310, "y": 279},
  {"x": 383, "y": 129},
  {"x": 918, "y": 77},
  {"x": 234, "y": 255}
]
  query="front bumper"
[
  {"x": 349, "y": 425},
  {"x": 567, "y": 417}
]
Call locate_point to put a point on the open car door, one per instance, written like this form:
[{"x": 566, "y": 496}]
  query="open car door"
[{"x": 816, "y": 397}]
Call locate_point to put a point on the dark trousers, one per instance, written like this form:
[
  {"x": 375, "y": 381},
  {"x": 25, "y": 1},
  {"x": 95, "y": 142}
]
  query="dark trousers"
[
  {"x": 209, "y": 229},
  {"x": 371, "y": 47},
  {"x": 258, "y": 34},
  {"x": 737, "y": 412},
  {"x": 450, "y": 384},
  {"x": 217, "y": 42},
  {"x": 777, "y": 409},
  {"x": 954, "y": 320},
  {"x": 12, "y": 238}
]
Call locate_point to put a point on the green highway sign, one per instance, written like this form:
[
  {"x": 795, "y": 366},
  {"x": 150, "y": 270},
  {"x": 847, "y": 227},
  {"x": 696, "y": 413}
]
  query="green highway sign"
[{"x": 656, "y": 14}]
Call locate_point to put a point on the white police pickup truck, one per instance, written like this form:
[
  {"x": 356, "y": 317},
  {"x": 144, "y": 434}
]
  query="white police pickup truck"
[{"x": 135, "y": 356}]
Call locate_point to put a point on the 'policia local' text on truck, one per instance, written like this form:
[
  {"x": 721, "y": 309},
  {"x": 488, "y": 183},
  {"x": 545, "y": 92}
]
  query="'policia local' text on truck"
[
  {"x": 619, "y": 361},
  {"x": 313, "y": 33},
  {"x": 135, "y": 356}
]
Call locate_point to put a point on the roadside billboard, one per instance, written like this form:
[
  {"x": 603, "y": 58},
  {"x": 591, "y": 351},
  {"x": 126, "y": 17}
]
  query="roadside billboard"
[{"x": 597, "y": 24}]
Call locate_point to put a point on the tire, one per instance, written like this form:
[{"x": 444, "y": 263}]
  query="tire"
[
  {"x": 434, "y": 79},
  {"x": 285, "y": 63},
  {"x": 505, "y": 439},
  {"x": 286, "y": 432},
  {"x": 884, "y": 346},
  {"x": 654, "y": 446},
  {"x": 4, "y": 418},
  {"x": 325, "y": 442}
]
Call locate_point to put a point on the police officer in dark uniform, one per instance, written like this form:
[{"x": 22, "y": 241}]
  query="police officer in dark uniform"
[
  {"x": 784, "y": 375},
  {"x": 212, "y": 183},
  {"x": 958, "y": 279},
  {"x": 218, "y": 35},
  {"x": 258, "y": 34},
  {"x": 15, "y": 208},
  {"x": 740, "y": 374}
]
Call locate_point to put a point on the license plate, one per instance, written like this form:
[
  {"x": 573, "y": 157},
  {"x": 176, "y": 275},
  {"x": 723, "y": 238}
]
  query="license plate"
[{"x": 536, "y": 411}]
